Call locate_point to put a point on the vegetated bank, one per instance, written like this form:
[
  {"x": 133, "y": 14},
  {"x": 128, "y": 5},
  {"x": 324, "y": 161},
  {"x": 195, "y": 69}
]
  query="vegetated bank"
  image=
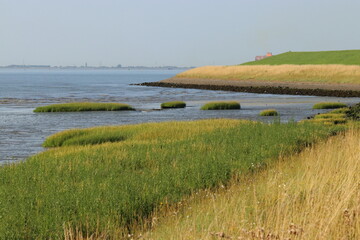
[
  {"x": 314, "y": 195},
  {"x": 83, "y": 106},
  {"x": 90, "y": 185},
  {"x": 332, "y": 73},
  {"x": 345, "y": 57}
]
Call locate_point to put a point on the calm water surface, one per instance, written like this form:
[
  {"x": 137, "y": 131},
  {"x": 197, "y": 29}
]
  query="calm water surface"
[{"x": 22, "y": 131}]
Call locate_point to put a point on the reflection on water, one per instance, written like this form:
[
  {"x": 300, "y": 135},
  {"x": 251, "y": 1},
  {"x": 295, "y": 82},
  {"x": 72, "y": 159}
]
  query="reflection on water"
[{"x": 22, "y": 131}]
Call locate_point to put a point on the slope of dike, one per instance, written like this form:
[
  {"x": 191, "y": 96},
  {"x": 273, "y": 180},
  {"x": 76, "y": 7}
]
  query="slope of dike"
[
  {"x": 344, "y": 57},
  {"x": 317, "y": 80}
]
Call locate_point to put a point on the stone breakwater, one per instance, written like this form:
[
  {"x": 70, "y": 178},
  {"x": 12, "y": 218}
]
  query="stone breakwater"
[{"x": 259, "y": 89}]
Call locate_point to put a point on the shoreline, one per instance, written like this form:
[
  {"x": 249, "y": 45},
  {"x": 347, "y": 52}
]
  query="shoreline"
[{"x": 286, "y": 88}]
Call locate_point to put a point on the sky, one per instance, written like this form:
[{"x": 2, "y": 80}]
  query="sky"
[{"x": 171, "y": 32}]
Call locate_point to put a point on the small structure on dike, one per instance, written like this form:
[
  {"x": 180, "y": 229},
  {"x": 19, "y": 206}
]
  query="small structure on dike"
[{"x": 257, "y": 58}]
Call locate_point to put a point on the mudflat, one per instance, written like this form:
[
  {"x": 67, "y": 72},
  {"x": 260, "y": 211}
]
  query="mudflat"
[{"x": 256, "y": 83}]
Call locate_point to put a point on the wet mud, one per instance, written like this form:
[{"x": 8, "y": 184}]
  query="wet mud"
[{"x": 258, "y": 89}]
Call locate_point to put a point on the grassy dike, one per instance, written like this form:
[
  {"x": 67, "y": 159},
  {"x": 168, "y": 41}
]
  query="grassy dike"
[
  {"x": 313, "y": 195},
  {"x": 101, "y": 190},
  {"x": 345, "y": 57},
  {"x": 326, "y": 74},
  {"x": 327, "y": 67}
]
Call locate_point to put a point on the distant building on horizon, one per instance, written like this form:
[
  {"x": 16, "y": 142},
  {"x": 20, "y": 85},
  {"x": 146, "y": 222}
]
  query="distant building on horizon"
[{"x": 257, "y": 58}]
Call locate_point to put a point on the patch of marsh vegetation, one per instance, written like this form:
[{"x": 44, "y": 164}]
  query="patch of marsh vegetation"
[
  {"x": 329, "y": 105},
  {"x": 83, "y": 106},
  {"x": 221, "y": 106},
  {"x": 336, "y": 116},
  {"x": 354, "y": 112},
  {"x": 173, "y": 104},
  {"x": 269, "y": 112},
  {"x": 101, "y": 190}
]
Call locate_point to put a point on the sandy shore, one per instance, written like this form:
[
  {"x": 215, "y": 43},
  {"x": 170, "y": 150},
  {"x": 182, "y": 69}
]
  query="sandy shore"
[{"x": 313, "y": 89}]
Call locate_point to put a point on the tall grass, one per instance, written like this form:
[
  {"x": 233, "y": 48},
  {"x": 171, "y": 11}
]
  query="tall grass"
[
  {"x": 311, "y": 196},
  {"x": 83, "y": 106},
  {"x": 282, "y": 73},
  {"x": 101, "y": 190}
]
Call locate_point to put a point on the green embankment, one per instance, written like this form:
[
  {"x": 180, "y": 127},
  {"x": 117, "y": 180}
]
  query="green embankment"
[
  {"x": 83, "y": 106},
  {"x": 100, "y": 189},
  {"x": 346, "y": 57}
]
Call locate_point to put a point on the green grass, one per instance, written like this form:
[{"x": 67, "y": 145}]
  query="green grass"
[
  {"x": 174, "y": 104},
  {"x": 340, "y": 110},
  {"x": 346, "y": 57},
  {"x": 329, "y": 105},
  {"x": 329, "y": 116},
  {"x": 102, "y": 188},
  {"x": 269, "y": 112},
  {"x": 221, "y": 106},
  {"x": 84, "y": 106}
]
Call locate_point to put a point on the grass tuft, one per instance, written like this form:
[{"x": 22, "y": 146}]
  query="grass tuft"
[
  {"x": 340, "y": 110},
  {"x": 269, "y": 112},
  {"x": 329, "y": 105},
  {"x": 174, "y": 104},
  {"x": 221, "y": 106},
  {"x": 354, "y": 112},
  {"x": 83, "y": 106}
]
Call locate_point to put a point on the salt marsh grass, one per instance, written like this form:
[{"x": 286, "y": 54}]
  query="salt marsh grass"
[
  {"x": 83, "y": 106},
  {"x": 329, "y": 105},
  {"x": 221, "y": 106},
  {"x": 314, "y": 195},
  {"x": 269, "y": 112},
  {"x": 281, "y": 73},
  {"x": 174, "y": 104},
  {"x": 103, "y": 188}
]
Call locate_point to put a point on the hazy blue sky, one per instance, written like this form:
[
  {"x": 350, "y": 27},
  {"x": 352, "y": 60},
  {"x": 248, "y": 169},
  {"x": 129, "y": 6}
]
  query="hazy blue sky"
[{"x": 171, "y": 32}]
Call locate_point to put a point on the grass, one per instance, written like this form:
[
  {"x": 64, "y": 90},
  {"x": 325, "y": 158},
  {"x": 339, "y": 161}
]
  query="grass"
[
  {"x": 269, "y": 112},
  {"x": 329, "y": 116},
  {"x": 340, "y": 110},
  {"x": 221, "y": 106},
  {"x": 314, "y": 195},
  {"x": 329, "y": 74},
  {"x": 174, "y": 104},
  {"x": 101, "y": 190},
  {"x": 84, "y": 106},
  {"x": 346, "y": 57},
  {"x": 354, "y": 112},
  {"x": 329, "y": 105}
]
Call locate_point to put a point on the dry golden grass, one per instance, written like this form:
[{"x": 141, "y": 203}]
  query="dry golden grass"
[
  {"x": 282, "y": 73},
  {"x": 315, "y": 195}
]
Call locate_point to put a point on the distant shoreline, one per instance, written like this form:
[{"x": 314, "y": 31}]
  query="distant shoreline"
[
  {"x": 94, "y": 68},
  {"x": 288, "y": 88}
]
